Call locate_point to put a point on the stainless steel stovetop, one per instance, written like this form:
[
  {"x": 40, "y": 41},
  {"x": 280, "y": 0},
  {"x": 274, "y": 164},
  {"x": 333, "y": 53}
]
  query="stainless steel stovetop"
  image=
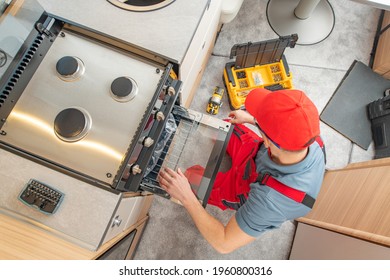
[
  {"x": 89, "y": 105},
  {"x": 83, "y": 105}
]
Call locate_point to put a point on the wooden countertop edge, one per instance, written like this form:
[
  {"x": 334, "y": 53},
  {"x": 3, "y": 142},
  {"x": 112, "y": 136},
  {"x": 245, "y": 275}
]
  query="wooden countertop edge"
[
  {"x": 367, "y": 236},
  {"x": 364, "y": 164},
  {"x": 21, "y": 241}
]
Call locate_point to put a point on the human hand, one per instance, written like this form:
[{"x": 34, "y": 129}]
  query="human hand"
[
  {"x": 241, "y": 116},
  {"x": 176, "y": 184}
]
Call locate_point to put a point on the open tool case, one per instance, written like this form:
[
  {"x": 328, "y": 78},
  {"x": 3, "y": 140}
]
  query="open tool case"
[{"x": 258, "y": 65}]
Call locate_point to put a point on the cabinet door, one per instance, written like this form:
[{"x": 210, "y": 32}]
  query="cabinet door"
[
  {"x": 120, "y": 250},
  {"x": 382, "y": 57},
  {"x": 313, "y": 243},
  {"x": 125, "y": 248},
  {"x": 355, "y": 201}
]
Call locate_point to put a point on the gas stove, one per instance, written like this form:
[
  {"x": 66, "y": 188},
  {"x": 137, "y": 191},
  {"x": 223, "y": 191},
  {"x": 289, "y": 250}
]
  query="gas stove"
[
  {"x": 83, "y": 106},
  {"x": 78, "y": 101},
  {"x": 104, "y": 111}
]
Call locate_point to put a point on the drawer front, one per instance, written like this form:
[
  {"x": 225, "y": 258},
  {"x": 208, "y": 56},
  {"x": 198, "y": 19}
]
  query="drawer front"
[
  {"x": 140, "y": 210},
  {"x": 119, "y": 220},
  {"x": 197, "y": 147}
]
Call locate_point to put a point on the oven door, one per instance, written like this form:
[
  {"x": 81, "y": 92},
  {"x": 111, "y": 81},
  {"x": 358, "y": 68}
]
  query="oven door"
[{"x": 195, "y": 143}]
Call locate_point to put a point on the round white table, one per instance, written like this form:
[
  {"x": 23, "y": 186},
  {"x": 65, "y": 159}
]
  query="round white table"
[{"x": 312, "y": 20}]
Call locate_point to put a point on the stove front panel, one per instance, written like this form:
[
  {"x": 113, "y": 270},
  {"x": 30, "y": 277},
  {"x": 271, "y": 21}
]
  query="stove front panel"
[{"x": 112, "y": 120}]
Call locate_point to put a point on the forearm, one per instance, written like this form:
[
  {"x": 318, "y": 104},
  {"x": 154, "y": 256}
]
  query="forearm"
[
  {"x": 223, "y": 238},
  {"x": 210, "y": 228}
]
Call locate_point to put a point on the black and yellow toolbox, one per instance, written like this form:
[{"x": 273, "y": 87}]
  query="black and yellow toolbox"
[{"x": 258, "y": 65}]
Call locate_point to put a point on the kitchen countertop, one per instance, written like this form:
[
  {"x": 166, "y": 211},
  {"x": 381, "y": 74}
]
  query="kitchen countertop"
[
  {"x": 166, "y": 32},
  {"x": 21, "y": 241}
]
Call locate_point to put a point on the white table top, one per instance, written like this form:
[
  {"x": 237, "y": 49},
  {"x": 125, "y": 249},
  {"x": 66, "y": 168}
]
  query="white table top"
[{"x": 167, "y": 32}]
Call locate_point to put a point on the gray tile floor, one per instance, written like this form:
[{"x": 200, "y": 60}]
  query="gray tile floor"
[{"x": 317, "y": 70}]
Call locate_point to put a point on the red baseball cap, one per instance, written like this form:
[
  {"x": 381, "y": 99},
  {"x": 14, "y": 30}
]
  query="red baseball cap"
[{"x": 287, "y": 117}]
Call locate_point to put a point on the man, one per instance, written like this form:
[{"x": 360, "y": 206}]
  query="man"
[{"x": 290, "y": 155}]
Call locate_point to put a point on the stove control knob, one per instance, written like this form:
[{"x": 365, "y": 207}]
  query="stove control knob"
[
  {"x": 160, "y": 116},
  {"x": 147, "y": 142},
  {"x": 171, "y": 91},
  {"x": 135, "y": 169}
]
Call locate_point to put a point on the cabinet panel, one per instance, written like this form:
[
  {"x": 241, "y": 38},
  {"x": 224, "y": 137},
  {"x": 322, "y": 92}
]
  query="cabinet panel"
[
  {"x": 196, "y": 42},
  {"x": 137, "y": 238},
  {"x": 125, "y": 245},
  {"x": 355, "y": 201},
  {"x": 197, "y": 53},
  {"x": 312, "y": 243},
  {"x": 120, "y": 250},
  {"x": 382, "y": 56}
]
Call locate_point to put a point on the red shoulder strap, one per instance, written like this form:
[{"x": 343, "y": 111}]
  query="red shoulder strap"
[
  {"x": 322, "y": 146},
  {"x": 294, "y": 194},
  {"x": 320, "y": 142}
]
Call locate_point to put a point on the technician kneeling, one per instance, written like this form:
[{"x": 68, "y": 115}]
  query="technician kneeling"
[{"x": 279, "y": 178}]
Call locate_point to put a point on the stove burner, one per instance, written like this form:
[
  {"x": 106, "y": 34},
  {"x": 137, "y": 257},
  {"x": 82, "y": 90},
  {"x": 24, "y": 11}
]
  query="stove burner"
[
  {"x": 124, "y": 89},
  {"x": 70, "y": 68},
  {"x": 141, "y": 5},
  {"x": 3, "y": 58},
  {"x": 72, "y": 124}
]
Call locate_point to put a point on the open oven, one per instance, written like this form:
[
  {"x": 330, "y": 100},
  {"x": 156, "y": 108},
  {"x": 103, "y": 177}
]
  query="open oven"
[{"x": 98, "y": 109}]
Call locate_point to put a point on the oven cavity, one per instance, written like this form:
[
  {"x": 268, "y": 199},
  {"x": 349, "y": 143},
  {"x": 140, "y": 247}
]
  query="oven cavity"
[
  {"x": 72, "y": 124},
  {"x": 123, "y": 89},
  {"x": 70, "y": 68}
]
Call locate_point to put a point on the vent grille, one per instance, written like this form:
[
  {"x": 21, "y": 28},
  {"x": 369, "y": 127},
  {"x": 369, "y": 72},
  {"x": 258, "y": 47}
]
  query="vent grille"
[{"x": 5, "y": 93}]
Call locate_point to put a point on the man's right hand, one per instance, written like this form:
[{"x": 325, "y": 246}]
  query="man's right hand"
[{"x": 241, "y": 116}]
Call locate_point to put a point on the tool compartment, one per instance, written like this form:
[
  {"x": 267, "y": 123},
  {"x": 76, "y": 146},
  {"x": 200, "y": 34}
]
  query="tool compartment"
[{"x": 258, "y": 65}]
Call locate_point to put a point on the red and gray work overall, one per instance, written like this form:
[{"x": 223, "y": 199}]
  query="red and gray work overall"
[{"x": 231, "y": 188}]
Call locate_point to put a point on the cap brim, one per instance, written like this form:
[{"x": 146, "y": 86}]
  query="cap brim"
[{"x": 254, "y": 100}]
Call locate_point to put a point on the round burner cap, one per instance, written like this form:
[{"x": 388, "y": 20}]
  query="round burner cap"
[
  {"x": 123, "y": 89},
  {"x": 69, "y": 68},
  {"x": 67, "y": 65},
  {"x": 71, "y": 124}
]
